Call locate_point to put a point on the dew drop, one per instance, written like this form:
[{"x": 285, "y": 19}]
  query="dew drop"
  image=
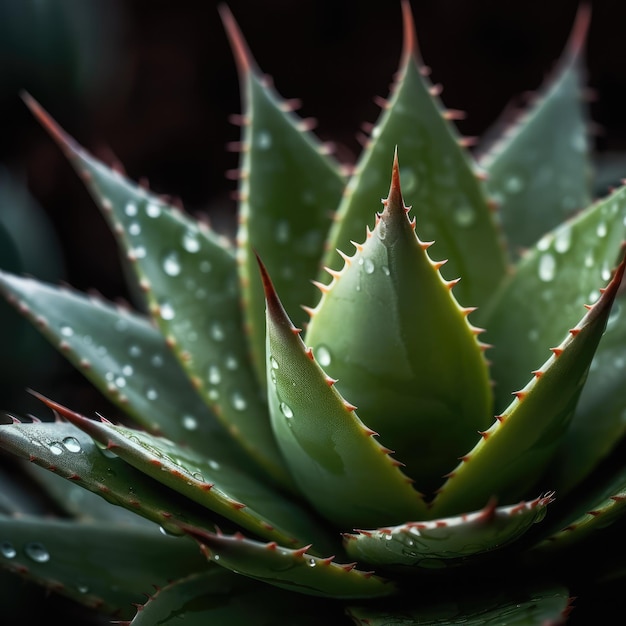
[
  {"x": 191, "y": 243},
  {"x": 513, "y": 184},
  {"x": 72, "y": 444},
  {"x": 7, "y": 550},
  {"x": 547, "y": 267},
  {"x": 171, "y": 264},
  {"x": 130, "y": 209},
  {"x": 214, "y": 376},
  {"x": 139, "y": 252},
  {"x": 465, "y": 216},
  {"x": 264, "y": 140},
  {"x": 157, "y": 360},
  {"x": 134, "y": 229},
  {"x": 273, "y": 363},
  {"x": 606, "y": 272},
  {"x": 190, "y": 422},
  {"x": 323, "y": 356},
  {"x": 152, "y": 393},
  {"x": 593, "y": 296},
  {"x": 127, "y": 370},
  {"x": 120, "y": 382},
  {"x": 82, "y": 589},
  {"x": 282, "y": 231},
  {"x": 67, "y": 331},
  {"x": 385, "y": 270},
  {"x": 55, "y": 447},
  {"x": 153, "y": 210},
  {"x": 381, "y": 230},
  {"x": 216, "y": 557},
  {"x": 198, "y": 476},
  {"x": 37, "y": 552},
  {"x": 544, "y": 243},
  {"x": 239, "y": 402},
  {"x": 601, "y": 229},
  {"x": 214, "y": 464},
  {"x": 217, "y": 332},
  {"x": 563, "y": 239},
  {"x": 231, "y": 363},
  {"x": 368, "y": 266},
  {"x": 166, "y": 311},
  {"x": 285, "y": 409},
  {"x": 589, "y": 259},
  {"x": 273, "y": 377},
  {"x": 311, "y": 562}
]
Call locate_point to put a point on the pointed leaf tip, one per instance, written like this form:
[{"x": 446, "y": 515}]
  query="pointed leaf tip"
[
  {"x": 409, "y": 45},
  {"x": 44, "y": 118},
  {"x": 580, "y": 30},
  {"x": 243, "y": 57}
]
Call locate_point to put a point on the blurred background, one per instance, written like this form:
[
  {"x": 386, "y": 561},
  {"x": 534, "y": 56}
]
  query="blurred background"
[{"x": 153, "y": 83}]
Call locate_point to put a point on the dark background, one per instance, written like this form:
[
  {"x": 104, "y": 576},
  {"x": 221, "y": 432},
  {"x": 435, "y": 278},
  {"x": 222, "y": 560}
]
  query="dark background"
[{"x": 154, "y": 82}]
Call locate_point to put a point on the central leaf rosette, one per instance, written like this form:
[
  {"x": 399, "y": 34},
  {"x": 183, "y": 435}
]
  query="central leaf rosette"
[{"x": 389, "y": 329}]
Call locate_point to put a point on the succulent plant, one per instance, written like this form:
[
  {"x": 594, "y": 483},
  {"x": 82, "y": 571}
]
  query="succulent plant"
[{"x": 310, "y": 429}]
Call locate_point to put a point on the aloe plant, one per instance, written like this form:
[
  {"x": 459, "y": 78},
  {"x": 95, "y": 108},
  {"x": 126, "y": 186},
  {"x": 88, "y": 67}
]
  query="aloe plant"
[{"x": 319, "y": 422}]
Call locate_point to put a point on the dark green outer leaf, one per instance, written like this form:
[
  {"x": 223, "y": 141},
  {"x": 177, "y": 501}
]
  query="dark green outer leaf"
[
  {"x": 599, "y": 422},
  {"x": 545, "y": 295},
  {"x": 221, "y": 597},
  {"x": 296, "y": 570},
  {"x": 233, "y": 495},
  {"x": 515, "y": 451},
  {"x": 448, "y": 542},
  {"x": 65, "y": 450},
  {"x": 102, "y": 566},
  {"x": 438, "y": 181},
  {"x": 339, "y": 466},
  {"x": 189, "y": 277},
  {"x": 539, "y": 172},
  {"x": 289, "y": 188},
  {"x": 514, "y": 607},
  {"x": 127, "y": 359}
]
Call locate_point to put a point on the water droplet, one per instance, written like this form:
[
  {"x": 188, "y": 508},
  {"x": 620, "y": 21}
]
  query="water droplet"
[
  {"x": 385, "y": 270},
  {"x": 120, "y": 382},
  {"x": 72, "y": 444},
  {"x": 285, "y": 409},
  {"x": 311, "y": 562},
  {"x": 589, "y": 259},
  {"x": 214, "y": 464},
  {"x": 368, "y": 266},
  {"x": 205, "y": 266},
  {"x": 579, "y": 141},
  {"x": 153, "y": 210},
  {"x": 166, "y": 311},
  {"x": 231, "y": 363},
  {"x": 134, "y": 229},
  {"x": 547, "y": 267},
  {"x": 606, "y": 272},
  {"x": 513, "y": 184},
  {"x": 264, "y": 140},
  {"x": 134, "y": 351},
  {"x": 217, "y": 332},
  {"x": 215, "y": 376},
  {"x": 139, "y": 252},
  {"x": 190, "y": 422},
  {"x": 7, "y": 550},
  {"x": 191, "y": 243},
  {"x": 601, "y": 230},
  {"x": 544, "y": 243},
  {"x": 198, "y": 476},
  {"x": 216, "y": 557},
  {"x": 171, "y": 264},
  {"x": 323, "y": 356},
  {"x": 37, "y": 552},
  {"x": 381, "y": 230},
  {"x": 282, "y": 231},
  {"x": 273, "y": 377},
  {"x": 273, "y": 363},
  {"x": 127, "y": 370},
  {"x": 152, "y": 393},
  {"x": 239, "y": 402},
  {"x": 82, "y": 588},
  {"x": 67, "y": 331},
  {"x": 563, "y": 239},
  {"x": 593, "y": 296},
  {"x": 130, "y": 209},
  {"x": 465, "y": 216},
  {"x": 55, "y": 447}
]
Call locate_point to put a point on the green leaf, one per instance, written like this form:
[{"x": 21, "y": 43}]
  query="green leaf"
[
  {"x": 219, "y": 596},
  {"x": 63, "y": 449},
  {"x": 551, "y": 283},
  {"x": 102, "y": 566},
  {"x": 296, "y": 570},
  {"x": 439, "y": 181},
  {"x": 512, "y": 606},
  {"x": 189, "y": 277},
  {"x": 126, "y": 358},
  {"x": 339, "y": 466},
  {"x": 411, "y": 362},
  {"x": 448, "y": 542},
  {"x": 539, "y": 170},
  {"x": 218, "y": 486},
  {"x": 514, "y": 452},
  {"x": 289, "y": 189}
]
